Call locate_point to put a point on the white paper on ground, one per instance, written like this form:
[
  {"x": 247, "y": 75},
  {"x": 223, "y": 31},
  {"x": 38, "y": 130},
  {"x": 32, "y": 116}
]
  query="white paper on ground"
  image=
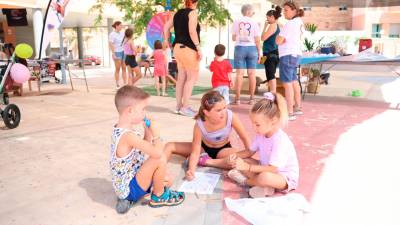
[
  {"x": 203, "y": 183},
  {"x": 282, "y": 210}
]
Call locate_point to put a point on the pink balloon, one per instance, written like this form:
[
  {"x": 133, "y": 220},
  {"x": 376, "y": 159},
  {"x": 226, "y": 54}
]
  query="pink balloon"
[{"x": 20, "y": 73}]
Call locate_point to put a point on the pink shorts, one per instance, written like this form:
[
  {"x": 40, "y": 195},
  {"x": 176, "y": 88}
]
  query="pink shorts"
[{"x": 291, "y": 184}]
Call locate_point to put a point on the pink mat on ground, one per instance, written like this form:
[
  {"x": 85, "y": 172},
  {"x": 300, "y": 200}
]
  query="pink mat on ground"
[{"x": 314, "y": 135}]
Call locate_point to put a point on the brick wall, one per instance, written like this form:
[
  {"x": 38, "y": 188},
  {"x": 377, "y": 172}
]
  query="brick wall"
[{"x": 329, "y": 18}]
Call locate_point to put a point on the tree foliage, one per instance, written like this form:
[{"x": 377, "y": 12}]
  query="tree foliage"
[{"x": 139, "y": 12}]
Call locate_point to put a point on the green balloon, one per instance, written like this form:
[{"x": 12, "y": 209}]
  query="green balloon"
[{"x": 23, "y": 51}]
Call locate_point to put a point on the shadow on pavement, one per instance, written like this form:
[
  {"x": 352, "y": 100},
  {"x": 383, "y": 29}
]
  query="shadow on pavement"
[{"x": 99, "y": 190}]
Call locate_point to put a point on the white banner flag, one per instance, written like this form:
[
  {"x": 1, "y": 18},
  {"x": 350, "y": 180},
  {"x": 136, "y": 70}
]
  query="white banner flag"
[{"x": 55, "y": 16}]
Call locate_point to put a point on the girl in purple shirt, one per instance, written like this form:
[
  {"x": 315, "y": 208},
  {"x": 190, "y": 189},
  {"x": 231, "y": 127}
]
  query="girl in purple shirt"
[{"x": 277, "y": 167}]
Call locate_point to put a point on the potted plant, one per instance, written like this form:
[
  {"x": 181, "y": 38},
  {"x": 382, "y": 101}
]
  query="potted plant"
[
  {"x": 311, "y": 27},
  {"x": 310, "y": 45}
]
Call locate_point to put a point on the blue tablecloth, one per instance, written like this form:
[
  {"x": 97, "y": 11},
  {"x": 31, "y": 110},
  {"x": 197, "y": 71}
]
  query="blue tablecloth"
[
  {"x": 303, "y": 61},
  {"x": 315, "y": 59}
]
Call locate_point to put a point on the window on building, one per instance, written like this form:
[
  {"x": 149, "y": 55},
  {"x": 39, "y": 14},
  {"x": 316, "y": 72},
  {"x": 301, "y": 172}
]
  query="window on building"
[
  {"x": 343, "y": 8},
  {"x": 376, "y": 30},
  {"x": 394, "y": 30},
  {"x": 307, "y": 8}
]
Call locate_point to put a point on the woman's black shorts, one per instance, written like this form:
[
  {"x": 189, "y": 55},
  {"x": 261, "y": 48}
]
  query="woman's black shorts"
[
  {"x": 130, "y": 60},
  {"x": 271, "y": 64}
]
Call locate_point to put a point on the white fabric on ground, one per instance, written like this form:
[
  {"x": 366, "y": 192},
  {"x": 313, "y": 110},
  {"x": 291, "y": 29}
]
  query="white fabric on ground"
[{"x": 283, "y": 210}]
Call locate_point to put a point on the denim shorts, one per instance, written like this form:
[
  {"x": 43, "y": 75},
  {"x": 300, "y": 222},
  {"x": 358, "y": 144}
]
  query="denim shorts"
[
  {"x": 135, "y": 191},
  {"x": 119, "y": 55},
  {"x": 246, "y": 57},
  {"x": 288, "y": 68},
  {"x": 224, "y": 91}
]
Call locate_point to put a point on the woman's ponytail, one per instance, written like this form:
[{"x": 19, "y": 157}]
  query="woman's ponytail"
[{"x": 277, "y": 12}]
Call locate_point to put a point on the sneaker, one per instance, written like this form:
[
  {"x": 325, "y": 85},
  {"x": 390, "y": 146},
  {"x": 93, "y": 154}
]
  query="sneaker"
[
  {"x": 203, "y": 159},
  {"x": 292, "y": 117},
  {"x": 123, "y": 205},
  {"x": 252, "y": 101},
  {"x": 237, "y": 176},
  {"x": 298, "y": 112},
  {"x": 261, "y": 192},
  {"x": 177, "y": 110},
  {"x": 236, "y": 102},
  {"x": 187, "y": 112},
  {"x": 194, "y": 111}
]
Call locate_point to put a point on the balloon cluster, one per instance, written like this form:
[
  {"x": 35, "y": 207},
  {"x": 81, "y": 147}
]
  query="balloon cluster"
[{"x": 19, "y": 72}]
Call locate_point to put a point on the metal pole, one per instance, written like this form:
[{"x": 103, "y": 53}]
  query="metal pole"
[
  {"x": 102, "y": 45},
  {"x": 62, "y": 56}
]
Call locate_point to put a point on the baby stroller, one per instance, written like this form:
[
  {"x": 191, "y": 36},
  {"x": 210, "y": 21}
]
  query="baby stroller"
[{"x": 11, "y": 114}]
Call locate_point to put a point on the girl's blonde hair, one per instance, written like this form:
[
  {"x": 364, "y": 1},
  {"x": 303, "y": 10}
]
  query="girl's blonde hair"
[
  {"x": 272, "y": 105},
  {"x": 208, "y": 101}
]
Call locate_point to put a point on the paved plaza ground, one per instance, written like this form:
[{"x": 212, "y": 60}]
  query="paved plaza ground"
[{"x": 54, "y": 166}]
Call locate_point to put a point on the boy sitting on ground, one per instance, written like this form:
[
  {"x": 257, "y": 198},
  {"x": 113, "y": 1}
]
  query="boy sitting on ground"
[{"x": 132, "y": 174}]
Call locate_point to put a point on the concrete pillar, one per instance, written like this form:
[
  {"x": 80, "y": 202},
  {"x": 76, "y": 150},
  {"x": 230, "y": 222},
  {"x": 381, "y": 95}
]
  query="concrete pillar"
[
  {"x": 109, "y": 30},
  {"x": 37, "y": 30},
  {"x": 47, "y": 51},
  {"x": 80, "y": 43},
  {"x": 109, "y": 25},
  {"x": 62, "y": 52},
  {"x": 228, "y": 25}
]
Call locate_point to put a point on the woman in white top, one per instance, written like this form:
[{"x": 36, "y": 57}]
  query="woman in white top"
[
  {"x": 116, "y": 39},
  {"x": 289, "y": 46},
  {"x": 246, "y": 34}
]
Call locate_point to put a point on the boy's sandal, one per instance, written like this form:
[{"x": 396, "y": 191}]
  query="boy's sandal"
[{"x": 168, "y": 198}]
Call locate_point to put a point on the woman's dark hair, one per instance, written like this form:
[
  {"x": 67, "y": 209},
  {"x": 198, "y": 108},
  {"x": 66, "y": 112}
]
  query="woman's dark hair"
[
  {"x": 189, "y": 3},
  {"x": 116, "y": 23},
  {"x": 128, "y": 33},
  {"x": 208, "y": 101},
  {"x": 276, "y": 13},
  {"x": 294, "y": 6},
  {"x": 158, "y": 44}
]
